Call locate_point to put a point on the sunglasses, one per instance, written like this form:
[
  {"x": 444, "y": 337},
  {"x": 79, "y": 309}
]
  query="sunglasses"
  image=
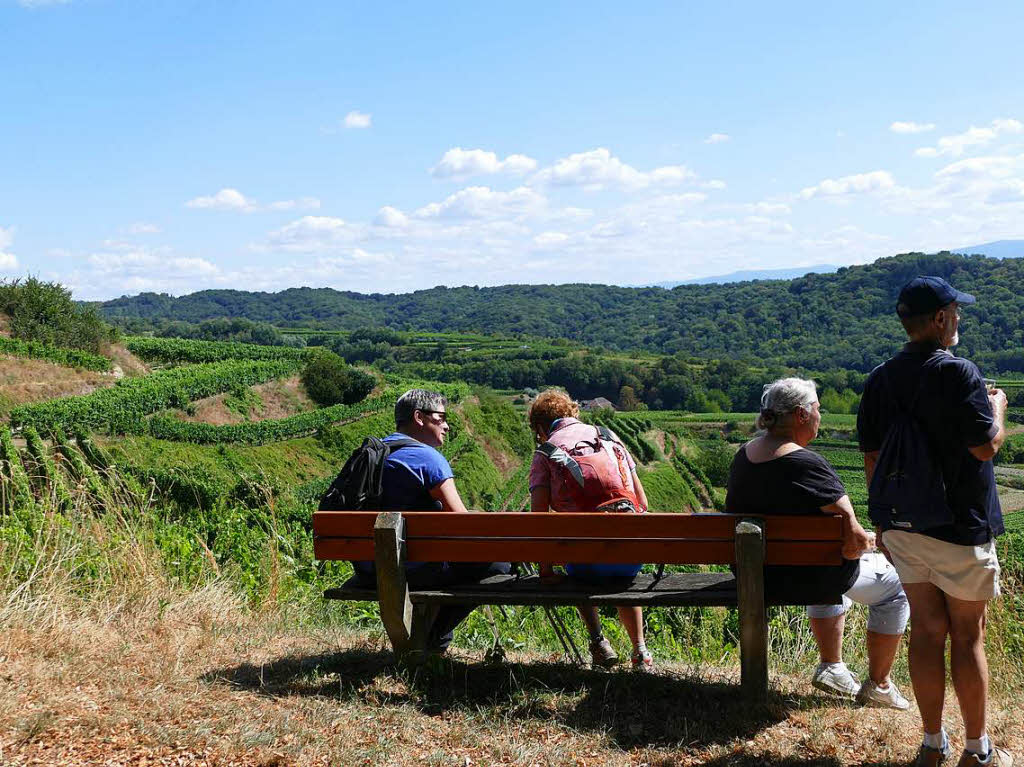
[{"x": 442, "y": 413}]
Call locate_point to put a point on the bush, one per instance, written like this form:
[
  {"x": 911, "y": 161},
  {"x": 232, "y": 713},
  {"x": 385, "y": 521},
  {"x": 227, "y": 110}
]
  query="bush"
[
  {"x": 329, "y": 381},
  {"x": 44, "y": 312}
]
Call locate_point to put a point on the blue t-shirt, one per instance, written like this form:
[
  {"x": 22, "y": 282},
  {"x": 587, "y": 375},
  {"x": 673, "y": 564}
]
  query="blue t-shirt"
[
  {"x": 410, "y": 473},
  {"x": 954, "y": 409}
]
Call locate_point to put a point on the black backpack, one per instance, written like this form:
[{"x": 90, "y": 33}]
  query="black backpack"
[
  {"x": 358, "y": 487},
  {"x": 907, "y": 491}
]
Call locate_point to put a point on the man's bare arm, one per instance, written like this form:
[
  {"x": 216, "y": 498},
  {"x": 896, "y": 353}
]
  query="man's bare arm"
[
  {"x": 870, "y": 460},
  {"x": 448, "y": 495}
]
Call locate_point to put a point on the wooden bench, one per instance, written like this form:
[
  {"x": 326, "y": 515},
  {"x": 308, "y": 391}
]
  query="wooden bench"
[{"x": 391, "y": 539}]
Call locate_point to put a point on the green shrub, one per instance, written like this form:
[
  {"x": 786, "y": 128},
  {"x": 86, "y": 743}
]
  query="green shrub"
[
  {"x": 329, "y": 381},
  {"x": 44, "y": 312}
]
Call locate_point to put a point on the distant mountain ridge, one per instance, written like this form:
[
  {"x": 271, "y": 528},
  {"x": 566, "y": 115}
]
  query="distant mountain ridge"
[
  {"x": 818, "y": 321},
  {"x": 997, "y": 249},
  {"x": 787, "y": 273}
]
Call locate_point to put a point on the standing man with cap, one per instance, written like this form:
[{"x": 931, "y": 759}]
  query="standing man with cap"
[{"x": 948, "y": 565}]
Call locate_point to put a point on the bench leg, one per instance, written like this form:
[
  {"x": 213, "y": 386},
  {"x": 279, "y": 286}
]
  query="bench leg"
[
  {"x": 752, "y": 613},
  {"x": 422, "y": 619},
  {"x": 396, "y": 611}
]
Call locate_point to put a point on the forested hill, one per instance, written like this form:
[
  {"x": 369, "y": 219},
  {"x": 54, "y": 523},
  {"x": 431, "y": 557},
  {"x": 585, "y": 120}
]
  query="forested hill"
[{"x": 819, "y": 321}]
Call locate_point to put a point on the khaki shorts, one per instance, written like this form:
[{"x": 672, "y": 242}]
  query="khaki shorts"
[{"x": 970, "y": 573}]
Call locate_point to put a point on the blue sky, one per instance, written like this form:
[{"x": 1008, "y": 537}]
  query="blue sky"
[{"x": 177, "y": 146}]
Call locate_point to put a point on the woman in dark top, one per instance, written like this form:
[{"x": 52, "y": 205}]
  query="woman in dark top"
[{"x": 774, "y": 473}]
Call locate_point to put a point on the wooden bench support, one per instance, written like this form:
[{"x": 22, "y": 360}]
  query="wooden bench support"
[
  {"x": 405, "y": 626},
  {"x": 752, "y": 614},
  {"x": 393, "y": 538}
]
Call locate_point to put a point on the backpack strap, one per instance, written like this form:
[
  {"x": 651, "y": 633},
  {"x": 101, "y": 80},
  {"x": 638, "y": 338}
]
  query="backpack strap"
[
  {"x": 603, "y": 432},
  {"x": 557, "y": 455},
  {"x": 398, "y": 444}
]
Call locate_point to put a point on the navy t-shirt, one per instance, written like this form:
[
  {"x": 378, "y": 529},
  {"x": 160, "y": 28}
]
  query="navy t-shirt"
[
  {"x": 954, "y": 410},
  {"x": 801, "y": 482}
]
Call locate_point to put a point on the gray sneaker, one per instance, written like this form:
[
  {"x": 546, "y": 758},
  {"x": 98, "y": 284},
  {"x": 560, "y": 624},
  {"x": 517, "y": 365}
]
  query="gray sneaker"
[
  {"x": 843, "y": 683},
  {"x": 931, "y": 757},
  {"x": 997, "y": 757},
  {"x": 870, "y": 695},
  {"x": 602, "y": 654}
]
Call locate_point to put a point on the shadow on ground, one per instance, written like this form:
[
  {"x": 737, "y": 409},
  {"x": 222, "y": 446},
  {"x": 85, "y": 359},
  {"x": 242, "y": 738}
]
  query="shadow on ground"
[{"x": 631, "y": 709}]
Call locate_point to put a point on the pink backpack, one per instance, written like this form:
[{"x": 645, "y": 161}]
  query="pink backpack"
[{"x": 596, "y": 473}]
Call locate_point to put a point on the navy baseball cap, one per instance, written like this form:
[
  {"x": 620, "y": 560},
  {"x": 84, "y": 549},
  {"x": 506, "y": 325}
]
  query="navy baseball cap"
[{"x": 924, "y": 295}]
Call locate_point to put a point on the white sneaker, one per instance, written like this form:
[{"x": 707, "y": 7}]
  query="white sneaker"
[
  {"x": 870, "y": 695},
  {"x": 841, "y": 683}
]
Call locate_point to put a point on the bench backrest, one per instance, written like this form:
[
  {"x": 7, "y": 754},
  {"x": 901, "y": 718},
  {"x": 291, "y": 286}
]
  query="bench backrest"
[{"x": 566, "y": 537}]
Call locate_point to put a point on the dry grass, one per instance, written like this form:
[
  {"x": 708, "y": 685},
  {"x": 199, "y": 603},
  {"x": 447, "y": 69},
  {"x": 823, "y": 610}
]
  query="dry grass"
[
  {"x": 23, "y": 381},
  {"x": 130, "y": 364},
  {"x": 280, "y": 399},
  {"x": 125, "y": 667},
  {"x": 197, "y": 679}
]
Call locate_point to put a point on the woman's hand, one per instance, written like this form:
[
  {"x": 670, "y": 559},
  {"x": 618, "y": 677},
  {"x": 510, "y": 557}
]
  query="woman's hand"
[{"x": 857, "y": 540}]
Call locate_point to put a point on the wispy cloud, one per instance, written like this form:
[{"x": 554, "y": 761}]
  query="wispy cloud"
[
  {"x": 911, "y": 127},
  {"x": 233, "y": 200},
  {"x": 717, "y": 138},
  {"x": 458, "y": 163},
  {"x": 957, "y": 144},
  {"x": 861, "y": 183},
  {"x": 8, "y": 261},
  {"x": 357, "y": 119},
  {"x": 599, "y": 169}
]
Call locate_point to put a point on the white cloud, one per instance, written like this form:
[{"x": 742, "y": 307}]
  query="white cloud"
[
  {"x": 717, "y": 138},
  {"x": 8, "y": 261},
  {"x": 391, "y": 218},
  {"x": 911, "y": 127},
  {"x": 599, "y": 169},
  {"x": 458, "y": 163},
  {"x": 311, "y": 234},
  {"x": 225, "y": 199},
  {"x": 550, "y": 239},
  {"x": 957, "y": 144},
  {"x": 232, "y": 199},
  {"x": 357, "y": 119},
  {"x": 303, "y": 203},
  {"x": 861, "y": 183},
  {"x": 978, "y": 167},
  {"x": 483, "y": 202},
  {"x": 142, "y": 227}
]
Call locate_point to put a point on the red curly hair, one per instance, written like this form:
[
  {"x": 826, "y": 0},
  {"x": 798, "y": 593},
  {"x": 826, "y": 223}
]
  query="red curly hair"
[{"x": 550, "y": 405}]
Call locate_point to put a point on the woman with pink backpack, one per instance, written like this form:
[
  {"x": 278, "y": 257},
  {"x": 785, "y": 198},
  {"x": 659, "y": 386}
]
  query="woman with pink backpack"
[{"x": 583, "y": 468}]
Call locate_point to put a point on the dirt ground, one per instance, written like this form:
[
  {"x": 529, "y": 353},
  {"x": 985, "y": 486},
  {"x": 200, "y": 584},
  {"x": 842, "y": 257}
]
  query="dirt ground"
[
  {"x": 194, "y": 684},
  {"x": 279, "y": 399},
  {"x": 23, "y": 381}
]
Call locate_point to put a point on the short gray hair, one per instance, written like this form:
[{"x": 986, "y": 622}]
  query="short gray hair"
[
  {"x": 417, "y": 399},
  {"x": 782, "y": 397}
]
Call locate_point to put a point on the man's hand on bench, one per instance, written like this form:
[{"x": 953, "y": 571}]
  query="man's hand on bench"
[{"x": 548, "y": 574}]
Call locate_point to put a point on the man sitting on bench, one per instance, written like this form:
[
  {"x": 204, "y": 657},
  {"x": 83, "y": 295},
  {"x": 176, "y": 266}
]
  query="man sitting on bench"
[{"x": 416, "y": 477}]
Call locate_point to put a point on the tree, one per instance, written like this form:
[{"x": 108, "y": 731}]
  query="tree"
[{"x": 329, "y": 381}]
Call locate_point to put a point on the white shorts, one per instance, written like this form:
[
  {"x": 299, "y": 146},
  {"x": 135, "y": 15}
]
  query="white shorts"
[
  {"x": 970, "y": 573},
  {"x": 877, "y": 586}
]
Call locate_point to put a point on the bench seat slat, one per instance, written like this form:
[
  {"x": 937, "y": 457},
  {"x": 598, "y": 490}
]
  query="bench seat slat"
[
  {"x": 347, "y": 524},
  {"x": 682, "y": 589},
  {"x": 612, "y": 551}
]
